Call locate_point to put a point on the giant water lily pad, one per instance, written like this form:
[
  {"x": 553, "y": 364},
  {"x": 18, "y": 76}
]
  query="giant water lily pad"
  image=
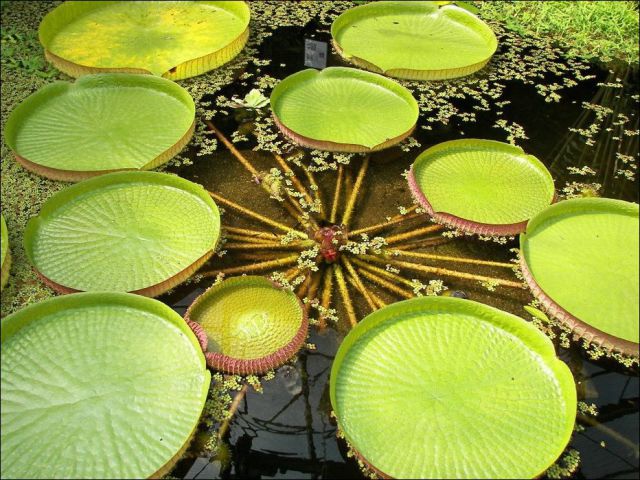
[
  {"x": 98, "y": 385},
  {"x": 5, "y": 256},
  {"x": 414, "y": 40},
  {"x": 141, "y": 232},
  {"x": 101, "y": 123},
  {"x": 343, "y": 109},
  {"x": 438, "y": 387},
  {"x": 171, "y": 39},
  {"x": 481, "y": 186},
  {"x": 580, "y": 258},
  {"x": 248, "y": 325}
]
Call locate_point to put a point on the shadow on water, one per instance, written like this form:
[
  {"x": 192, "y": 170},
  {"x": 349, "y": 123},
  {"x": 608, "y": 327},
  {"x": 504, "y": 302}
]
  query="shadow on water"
[{"x": 286, "y": 432}]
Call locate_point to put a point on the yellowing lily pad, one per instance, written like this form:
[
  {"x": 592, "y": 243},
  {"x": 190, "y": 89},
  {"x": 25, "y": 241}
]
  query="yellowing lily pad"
[
  {"x": 171, "y": 39},
  {"x": 248, "y": 325}
]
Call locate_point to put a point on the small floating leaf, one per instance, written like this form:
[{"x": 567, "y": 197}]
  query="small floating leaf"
[
  {"x": 171, "y": 39},
  {"x": 248, "y": 325},
  {"x": 141, "y": 232},
  {"x": 414, "y": 40},
  {"x": 98, "y": 385},
  {"x": 580, "y": 259},
  {"x": 481, "y": 186},
  {"x": 343, "y": 109},
  {"x": 100, "y": 123},
  {"x": 438, "y": 387}
]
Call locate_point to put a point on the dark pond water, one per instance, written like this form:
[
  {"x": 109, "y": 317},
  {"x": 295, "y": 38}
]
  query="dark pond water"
[{"x": 286, "y": 432}]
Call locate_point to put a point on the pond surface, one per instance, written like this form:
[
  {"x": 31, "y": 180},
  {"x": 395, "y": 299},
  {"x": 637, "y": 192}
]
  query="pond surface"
[{"x": 287, "y": 432}]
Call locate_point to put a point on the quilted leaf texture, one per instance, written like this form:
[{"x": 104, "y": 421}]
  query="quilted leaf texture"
[
  {"x": 124, "y": 231},
  {"x": 438, "y": 387},
  {"x": 478, "y": 185},
  {"x": 101, "y": 123},
  {"x": 248, "y": 324},
  {"x": 98, "y": 385}
]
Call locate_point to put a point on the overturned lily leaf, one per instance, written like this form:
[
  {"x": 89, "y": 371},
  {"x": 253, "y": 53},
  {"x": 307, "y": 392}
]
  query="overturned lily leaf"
[
  {"x": 140, "y": 232},
  {"x": 481, "y": 186},
  {"x": 171, "y": 39},
  {"x": 414, "y": 40},
  {"x": 248, "y": 325},
  {"x": 438, "y": 387},
  {"x": 343, "y": 109},
  {"x": 98, "y": 385},
  {"x": 99, "y": 124},
  {"x": 5, "y": 255},
  {"x": 580, "y": 259}
]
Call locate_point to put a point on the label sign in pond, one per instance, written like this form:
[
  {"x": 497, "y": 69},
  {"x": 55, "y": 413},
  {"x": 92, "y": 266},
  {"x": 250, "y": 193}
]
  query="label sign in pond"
[{"x": 315, "y": 53}]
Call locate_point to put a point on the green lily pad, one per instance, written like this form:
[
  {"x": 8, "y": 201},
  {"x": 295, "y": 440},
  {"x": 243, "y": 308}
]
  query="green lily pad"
[
  {"x": 98, "y": 385},
  {"x": 414, "y": 40},
  {"x": 580, "y": 258},
  {"x": 438, "y": 387},
  {"x": 141, "y": 232},
  {"x": 343, "y": 109},
  {"x": 171, "y": 39},
  {"x": 481, "y": 186},
  {"x": 101, "y": 123},
  {"x": 5, "y": 256},
  {"x": 248, "y": 325}
]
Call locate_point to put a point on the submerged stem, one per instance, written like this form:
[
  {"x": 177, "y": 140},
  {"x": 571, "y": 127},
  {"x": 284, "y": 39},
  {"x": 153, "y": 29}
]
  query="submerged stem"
[
  {"x": 344, "y": 293},
  {"x": 410, "y": 215},
  {"x": 399, "y": 251},
  {"x": 336, "y": 194},
  {"x": 254, "y": 267},
  {"x": 256, "y": 216},
  {"x": 351, "y": 202}
]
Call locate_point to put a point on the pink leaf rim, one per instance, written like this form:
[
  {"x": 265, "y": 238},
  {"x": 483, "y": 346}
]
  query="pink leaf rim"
[
  {"x": 328, "y": 146},
  {"x": 151, "y": 291},
  {"x": 254, "y": 366},
  {"x": 468, "y": 226},
  {"x": 579, "y": 328}
]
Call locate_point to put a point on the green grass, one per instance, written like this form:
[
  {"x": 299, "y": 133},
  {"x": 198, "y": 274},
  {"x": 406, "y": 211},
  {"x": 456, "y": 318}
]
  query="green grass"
[{"x": 594, "y": 30}]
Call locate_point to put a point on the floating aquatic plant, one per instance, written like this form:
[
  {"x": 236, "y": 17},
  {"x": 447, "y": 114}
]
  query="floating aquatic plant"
[
  {"x": 5, "y": 254},
  {"x": 171, "y": 39},
  {"x": 98, "y": 385},
  {"x": 481, "y": 186},
  {"x": 141, "y": 232},
  {"x": 248, "y": 325},
  {"x": 401, "y": 383},
  {"x": 414, "y": 40},
  {"x": 580, "y": 259},
  {"x": 99, "y": 124},
  {"x": 343, "y": 109}
]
